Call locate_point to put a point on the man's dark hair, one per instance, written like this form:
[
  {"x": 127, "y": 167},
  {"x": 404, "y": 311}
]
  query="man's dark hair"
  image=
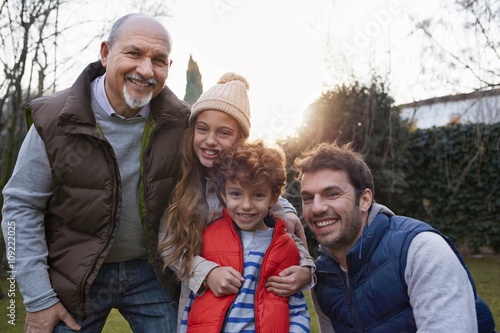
[{"x": 333, "y": 157}]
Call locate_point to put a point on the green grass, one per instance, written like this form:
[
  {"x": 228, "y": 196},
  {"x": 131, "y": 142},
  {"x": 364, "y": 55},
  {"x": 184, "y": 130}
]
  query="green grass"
[
  {"x": 314, "y": 321},
  {"x": 116, "y": 323},
  {"x": 484, "y": 270}
]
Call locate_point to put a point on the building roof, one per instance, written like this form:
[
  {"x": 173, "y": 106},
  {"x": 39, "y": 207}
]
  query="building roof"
[{"x": 477, "y": 107}]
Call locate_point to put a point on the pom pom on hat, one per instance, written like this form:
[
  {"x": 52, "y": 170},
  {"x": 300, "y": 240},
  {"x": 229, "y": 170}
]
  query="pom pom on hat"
[
  {"x": 233, "y": 77},
  {"x": 230, "y": 96}
]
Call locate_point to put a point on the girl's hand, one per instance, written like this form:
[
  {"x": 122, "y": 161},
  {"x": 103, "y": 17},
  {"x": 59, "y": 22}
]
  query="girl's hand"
[
  {"x": 224, "y": 281},
  {"x": 290, "y": 281},
  {"x": 294, "y": 226}
]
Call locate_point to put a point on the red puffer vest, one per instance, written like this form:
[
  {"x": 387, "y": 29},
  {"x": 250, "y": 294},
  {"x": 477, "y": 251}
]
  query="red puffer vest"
[{"x": 222, "y": 244}]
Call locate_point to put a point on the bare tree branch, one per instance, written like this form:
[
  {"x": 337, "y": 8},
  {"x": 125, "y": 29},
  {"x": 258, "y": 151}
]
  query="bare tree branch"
[{"x": 475, "y": 49}]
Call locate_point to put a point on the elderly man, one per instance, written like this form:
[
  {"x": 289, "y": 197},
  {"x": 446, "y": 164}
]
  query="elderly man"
[{"x": 91, "y": 183}]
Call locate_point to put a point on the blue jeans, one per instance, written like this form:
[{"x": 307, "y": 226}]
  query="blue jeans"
[{"x": 133, "y": 288}]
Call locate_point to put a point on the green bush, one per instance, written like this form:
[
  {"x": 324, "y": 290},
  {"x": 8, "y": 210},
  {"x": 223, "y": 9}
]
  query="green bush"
[
  {"x": 446, "y": 176},
  {"x": 453, "y": 182}
]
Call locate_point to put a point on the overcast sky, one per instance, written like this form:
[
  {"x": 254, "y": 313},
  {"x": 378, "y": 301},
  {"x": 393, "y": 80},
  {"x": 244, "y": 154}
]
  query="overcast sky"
[{"x": 282, "y": 47}]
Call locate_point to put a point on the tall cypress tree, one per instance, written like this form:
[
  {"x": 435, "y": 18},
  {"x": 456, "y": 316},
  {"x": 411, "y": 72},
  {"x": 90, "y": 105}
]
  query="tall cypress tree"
[{"x": 194, "y": 87}]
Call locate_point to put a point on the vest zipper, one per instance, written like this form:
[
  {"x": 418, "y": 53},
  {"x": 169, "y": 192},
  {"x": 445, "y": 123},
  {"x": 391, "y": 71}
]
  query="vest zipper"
[
  {"x": 351, "y": 301},
  {"x": 143, "y": 164},
  {"x": 143, "y": 176},
  {"x": 226, "y": 316},
  {"x": 259, "y": 287},
  {"x": 92, "y": 269}
]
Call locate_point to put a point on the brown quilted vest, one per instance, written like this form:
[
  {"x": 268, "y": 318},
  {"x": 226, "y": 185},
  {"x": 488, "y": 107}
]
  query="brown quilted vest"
[{"x": 83, "y": 214}]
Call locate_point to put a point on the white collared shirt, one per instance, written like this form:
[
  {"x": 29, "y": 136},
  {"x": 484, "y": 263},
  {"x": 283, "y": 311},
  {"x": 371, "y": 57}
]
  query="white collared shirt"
[{"x": 102, "y": 100}]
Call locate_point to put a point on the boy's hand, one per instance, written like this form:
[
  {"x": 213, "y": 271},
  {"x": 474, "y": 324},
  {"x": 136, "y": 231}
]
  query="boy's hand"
[
  {"x": 290, "y": 281},
  {"x": 224, "y": 281}
]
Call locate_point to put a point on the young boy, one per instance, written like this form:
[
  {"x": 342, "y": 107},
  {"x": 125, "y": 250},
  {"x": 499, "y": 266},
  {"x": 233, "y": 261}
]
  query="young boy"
[{"x": 250, "y": 177}]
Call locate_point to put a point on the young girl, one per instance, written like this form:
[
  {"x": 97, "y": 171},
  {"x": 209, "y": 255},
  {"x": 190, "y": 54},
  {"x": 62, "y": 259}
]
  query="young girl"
[
  {"x": 219, "y": 119},
  {"x": 249, "y": 177}
]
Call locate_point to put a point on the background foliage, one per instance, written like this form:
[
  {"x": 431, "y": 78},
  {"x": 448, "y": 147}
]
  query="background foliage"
[
  {"x": 446, "y": 176},
  {"x": 365, "y": 116},
  {"x": 194, "y": 86},
  {"x": 453, "y": 174}
]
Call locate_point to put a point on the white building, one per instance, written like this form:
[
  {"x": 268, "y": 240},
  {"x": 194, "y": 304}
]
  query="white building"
[{"x": 476, "y": 107}]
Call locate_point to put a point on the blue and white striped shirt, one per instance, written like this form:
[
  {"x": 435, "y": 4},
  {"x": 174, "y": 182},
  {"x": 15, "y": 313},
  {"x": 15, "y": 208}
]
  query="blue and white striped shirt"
[{"x": 241, "y": 318}]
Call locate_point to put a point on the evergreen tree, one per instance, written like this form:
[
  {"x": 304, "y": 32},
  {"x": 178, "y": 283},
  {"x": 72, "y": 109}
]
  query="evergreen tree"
[{"x": 194, "y": 87}]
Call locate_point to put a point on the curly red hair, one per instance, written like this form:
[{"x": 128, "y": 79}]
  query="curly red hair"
[{"x": 253, "y": 165}]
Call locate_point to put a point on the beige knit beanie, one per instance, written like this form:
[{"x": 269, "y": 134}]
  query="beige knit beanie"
[{"x": 229, "y": 95}]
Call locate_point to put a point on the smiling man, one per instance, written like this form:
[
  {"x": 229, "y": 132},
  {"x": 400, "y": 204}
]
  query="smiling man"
[
  {"x": 92, "y": 180},
  {"x": 378, "y": 272}
]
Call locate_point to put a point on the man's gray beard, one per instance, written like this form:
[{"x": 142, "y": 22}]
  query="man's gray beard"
[{"x": 136, "y": 103}]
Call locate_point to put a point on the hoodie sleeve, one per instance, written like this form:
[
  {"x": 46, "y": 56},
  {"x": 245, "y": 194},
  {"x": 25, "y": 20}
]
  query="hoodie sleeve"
[{"x": 438, "y": 286}]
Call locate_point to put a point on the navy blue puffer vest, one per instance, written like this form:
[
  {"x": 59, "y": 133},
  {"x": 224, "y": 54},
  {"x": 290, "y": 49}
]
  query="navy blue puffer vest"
[{"x": 377, "y": 300}]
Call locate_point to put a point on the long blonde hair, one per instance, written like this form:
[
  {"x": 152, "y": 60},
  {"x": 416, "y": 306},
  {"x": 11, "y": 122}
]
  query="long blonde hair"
[{"x": 187, "y": 214}]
